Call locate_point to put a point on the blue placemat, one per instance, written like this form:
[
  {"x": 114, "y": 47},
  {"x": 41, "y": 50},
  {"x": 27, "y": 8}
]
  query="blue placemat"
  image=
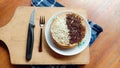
[{"x": 95, "y": 29}]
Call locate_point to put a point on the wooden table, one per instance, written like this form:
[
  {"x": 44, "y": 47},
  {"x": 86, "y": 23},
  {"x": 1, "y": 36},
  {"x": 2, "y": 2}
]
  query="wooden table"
[{"x": 104, "y": 52}]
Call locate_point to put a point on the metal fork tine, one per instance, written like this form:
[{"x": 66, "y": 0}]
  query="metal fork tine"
[
  {"x": 40, "y": 20},
  {"x": 44, "y": 20}
]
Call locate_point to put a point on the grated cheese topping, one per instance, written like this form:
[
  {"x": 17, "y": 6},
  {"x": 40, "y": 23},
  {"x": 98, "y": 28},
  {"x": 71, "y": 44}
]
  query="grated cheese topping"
[{"x": 60, "y": 31}]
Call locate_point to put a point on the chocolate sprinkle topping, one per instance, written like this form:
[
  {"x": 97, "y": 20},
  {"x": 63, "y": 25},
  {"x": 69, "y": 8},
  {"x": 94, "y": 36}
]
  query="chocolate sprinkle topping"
[{"x": 76, "y": 29}]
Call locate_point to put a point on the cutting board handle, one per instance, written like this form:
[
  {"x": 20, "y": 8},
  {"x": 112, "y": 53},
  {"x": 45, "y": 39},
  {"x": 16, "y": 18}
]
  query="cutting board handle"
[{"x": 4, "y": 34}]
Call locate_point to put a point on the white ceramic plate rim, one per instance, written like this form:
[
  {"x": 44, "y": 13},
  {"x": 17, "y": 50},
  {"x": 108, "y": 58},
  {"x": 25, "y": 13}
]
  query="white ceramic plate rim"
[{"x": 67, "y": 52}]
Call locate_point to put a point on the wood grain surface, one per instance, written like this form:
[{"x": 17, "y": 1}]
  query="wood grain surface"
[{"x": 104, "y": 52}]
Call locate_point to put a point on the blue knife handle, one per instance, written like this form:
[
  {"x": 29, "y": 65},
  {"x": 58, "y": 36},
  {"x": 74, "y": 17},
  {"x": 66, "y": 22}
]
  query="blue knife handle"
[{"x": 30, "y": 41}]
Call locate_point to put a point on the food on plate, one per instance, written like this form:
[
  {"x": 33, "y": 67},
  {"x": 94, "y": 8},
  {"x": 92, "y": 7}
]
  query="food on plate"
[{"x": 67, "y": 30}]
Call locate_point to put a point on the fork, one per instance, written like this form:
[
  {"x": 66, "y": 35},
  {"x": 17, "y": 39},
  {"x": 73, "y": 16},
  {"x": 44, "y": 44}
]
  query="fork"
[{"x": 41, "y": 22}]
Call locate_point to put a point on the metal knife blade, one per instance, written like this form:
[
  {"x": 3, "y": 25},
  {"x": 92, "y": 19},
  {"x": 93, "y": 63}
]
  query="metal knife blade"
[{"x": 30, "y": 37}]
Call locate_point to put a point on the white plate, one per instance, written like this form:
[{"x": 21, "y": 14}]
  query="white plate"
[{"x": 67, "y": 52}]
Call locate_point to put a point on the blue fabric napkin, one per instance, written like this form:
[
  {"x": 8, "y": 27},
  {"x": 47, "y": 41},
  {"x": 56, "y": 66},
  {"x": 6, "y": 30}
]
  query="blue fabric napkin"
[
  {"x": 95, "y": 29},
  {"x": 46, "y": 3}
]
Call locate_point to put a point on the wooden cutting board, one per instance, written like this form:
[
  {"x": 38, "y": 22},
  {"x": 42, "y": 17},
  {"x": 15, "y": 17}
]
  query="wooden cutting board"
[{"x": 14, "y": 35}]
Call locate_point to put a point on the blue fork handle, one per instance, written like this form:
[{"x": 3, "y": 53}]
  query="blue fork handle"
[{"x": 30, "y": 41}]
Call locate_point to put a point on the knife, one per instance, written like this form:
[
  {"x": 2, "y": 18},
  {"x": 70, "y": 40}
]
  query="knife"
[{"x": 30, "y": 37}]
